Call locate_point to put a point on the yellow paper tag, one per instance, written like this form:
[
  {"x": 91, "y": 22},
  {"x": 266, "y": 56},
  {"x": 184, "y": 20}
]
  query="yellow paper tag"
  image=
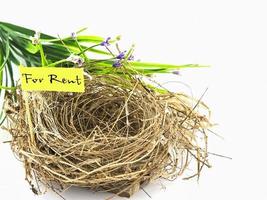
[{"x": 52, "y": 79}]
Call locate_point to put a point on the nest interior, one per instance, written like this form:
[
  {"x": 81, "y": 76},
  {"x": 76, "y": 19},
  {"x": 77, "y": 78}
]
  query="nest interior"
[{"x": 116, "y": 136}]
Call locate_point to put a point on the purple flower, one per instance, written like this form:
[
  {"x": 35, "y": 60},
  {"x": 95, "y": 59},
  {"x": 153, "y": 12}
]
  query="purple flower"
[
  {"x": 121, "y": 55},
  {"x": 131, "y": 57},
  {"x": 73, "y": 35},
  {"x": 117, "y": 64},
  {"x": 176, "y": 72},
  {"x": 105, "y": 42},
  {"x": 76, "y": 60},
  {"x": 80, "y": 62}
]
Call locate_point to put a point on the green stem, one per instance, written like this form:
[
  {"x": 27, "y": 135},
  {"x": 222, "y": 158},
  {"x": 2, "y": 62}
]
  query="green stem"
[
  {"x": 88, "y": 48},
  {"x": 7, "y": 88},
  {"x": 82, "y": 51},
  {"x": 56, "y": 63},
  {"x": 43, "y": 59}
]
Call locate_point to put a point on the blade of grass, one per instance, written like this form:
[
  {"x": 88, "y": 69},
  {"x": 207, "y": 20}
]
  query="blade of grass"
[{"x": 24, "y": 30}]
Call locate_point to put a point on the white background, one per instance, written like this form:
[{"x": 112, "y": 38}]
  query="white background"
[{"x": 228, "y": 35}]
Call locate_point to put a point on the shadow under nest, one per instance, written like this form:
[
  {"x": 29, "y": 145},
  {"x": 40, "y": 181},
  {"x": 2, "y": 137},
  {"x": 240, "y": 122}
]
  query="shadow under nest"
[{"x": 116, "y": 136}]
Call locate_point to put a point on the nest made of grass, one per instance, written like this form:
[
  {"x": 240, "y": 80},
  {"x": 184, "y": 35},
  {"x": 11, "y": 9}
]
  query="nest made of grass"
[{"x": 116, "y": 136}]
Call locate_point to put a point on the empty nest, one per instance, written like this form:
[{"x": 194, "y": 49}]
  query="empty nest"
[{"x": 116, "y": 136}]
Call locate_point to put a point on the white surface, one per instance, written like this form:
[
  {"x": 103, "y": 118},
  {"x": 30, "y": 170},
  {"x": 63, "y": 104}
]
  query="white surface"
[{"x": 229, "y": 35}]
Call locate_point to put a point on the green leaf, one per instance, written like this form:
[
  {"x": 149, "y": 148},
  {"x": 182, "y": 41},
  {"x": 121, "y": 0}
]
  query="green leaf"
[
  {"x": 80, "y": 38},
  {"x": 26, "y": 44},
  {"x": 25, "y": 55},
  {"x": 23, "y": 30},
  {"x": 43, "y": 58},
  {"x": 13, "y": 58},
  {"x": 5, "y": 54},
  {"x": 148, "y": 65},
  {"x": 11, "y": 75},
  {"x": 1, "y": 54},
  {"x": 89, "y": 38},
  {"x": 1, "y": 63}
]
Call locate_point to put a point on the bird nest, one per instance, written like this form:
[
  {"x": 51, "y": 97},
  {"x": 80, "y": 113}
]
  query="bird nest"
[{"x": 116, "y": 136}]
